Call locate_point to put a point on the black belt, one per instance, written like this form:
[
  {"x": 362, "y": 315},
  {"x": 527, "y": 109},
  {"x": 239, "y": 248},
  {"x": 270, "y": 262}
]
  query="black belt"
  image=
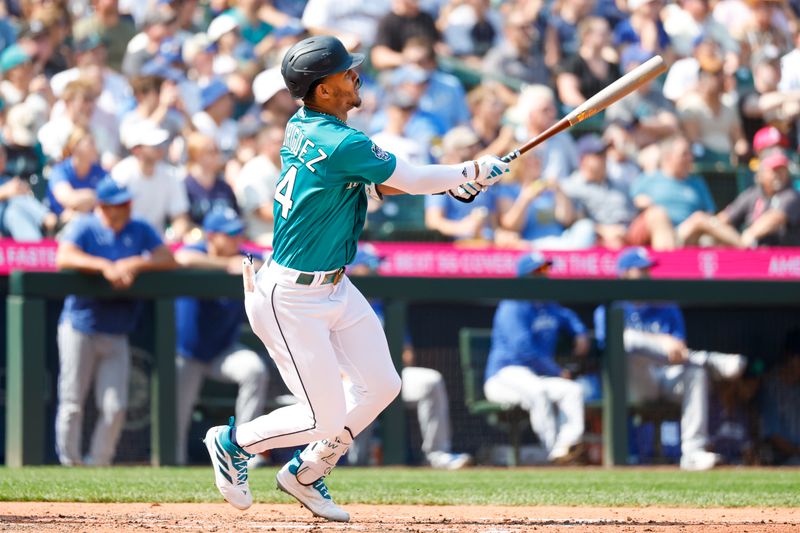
[{"x": 331, "y": 277}]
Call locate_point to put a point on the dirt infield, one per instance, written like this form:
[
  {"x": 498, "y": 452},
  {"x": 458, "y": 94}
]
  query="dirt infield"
[{"x": 57, "y": 517}]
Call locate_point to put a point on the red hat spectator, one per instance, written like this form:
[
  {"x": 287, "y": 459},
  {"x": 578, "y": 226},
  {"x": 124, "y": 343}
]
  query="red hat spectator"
[{"x": 767, "y": 137}]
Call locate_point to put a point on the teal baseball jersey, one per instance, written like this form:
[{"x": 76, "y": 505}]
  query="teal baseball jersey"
[{"x": 320, "y": 199}]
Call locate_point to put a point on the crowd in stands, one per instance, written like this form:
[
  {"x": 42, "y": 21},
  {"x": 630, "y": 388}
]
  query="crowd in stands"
[{"x": 182, "y": 101}]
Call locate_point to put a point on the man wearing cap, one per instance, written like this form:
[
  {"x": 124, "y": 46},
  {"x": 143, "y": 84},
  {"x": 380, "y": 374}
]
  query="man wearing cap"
[
  {"x": 765, "y": 214},
  {"x": 312, "y": 319},
  {"x": 93, "y": 333},
  {"x": 521, "y": 369},
  {"x": 214, "y": 118},
  {"x": 113, "y": 29},
  {"x": 660, "y": 366},
  {"x": 276, "y": 104},
  {"x": 207, "y": 331},
  {"x": 20, "y": 82},
  {"x": 608, "y": 203},
  {"x": 158, "y": 194}
]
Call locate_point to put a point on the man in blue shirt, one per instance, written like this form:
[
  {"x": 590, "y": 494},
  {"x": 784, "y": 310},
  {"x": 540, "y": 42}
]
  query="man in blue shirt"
[
  {"x": 92, "y": 333},
  {"x": 522, "y": 370},
  {"x": 208, "y": 330},
  {"x": 660, "y": 366}
]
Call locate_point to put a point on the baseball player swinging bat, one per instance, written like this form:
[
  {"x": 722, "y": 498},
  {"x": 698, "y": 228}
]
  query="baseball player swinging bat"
[{"x": 616, "y": 91}]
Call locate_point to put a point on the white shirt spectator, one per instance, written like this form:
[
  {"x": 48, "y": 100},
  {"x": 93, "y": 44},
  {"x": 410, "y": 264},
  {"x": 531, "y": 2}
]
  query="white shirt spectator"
[
  {"x": 255, "y": 188},
  {"x": 681, "y": 78},
  {"x": 156, "y": 198},
  {"x": 114, "y": 98},
  {"x": 683, "y": 29},
  {"x": 357, "y": 17},
  {"x": 790, "y": 71}
]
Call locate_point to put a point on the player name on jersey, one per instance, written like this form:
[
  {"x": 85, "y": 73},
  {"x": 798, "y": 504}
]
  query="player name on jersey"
[{"x": 299, "y": 145}]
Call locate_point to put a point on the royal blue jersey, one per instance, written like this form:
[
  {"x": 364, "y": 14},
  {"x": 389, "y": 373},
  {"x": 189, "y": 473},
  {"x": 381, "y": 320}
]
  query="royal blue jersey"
[
  {"x": 652, "y": 318},
  {"x": 114, "y": 316},
  {"x": 526, "y": 334}
]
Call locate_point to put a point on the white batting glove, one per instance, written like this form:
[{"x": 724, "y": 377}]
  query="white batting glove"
[
  {"x": 466, "y": 192},
  {"x": 489, "y": 170}
]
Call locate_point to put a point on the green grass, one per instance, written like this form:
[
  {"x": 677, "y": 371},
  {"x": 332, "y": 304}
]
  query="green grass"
[{"x": 543, "y": 486}]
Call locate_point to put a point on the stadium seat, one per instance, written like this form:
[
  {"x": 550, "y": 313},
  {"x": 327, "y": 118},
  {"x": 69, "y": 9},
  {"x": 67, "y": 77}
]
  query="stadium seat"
[{"x": 474, "y": 346}]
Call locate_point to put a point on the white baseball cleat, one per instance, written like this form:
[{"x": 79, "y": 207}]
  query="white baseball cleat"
[
  {"x": 314, "y": 497},
  {"x": 230, "y": 467},
  {"x": 700, "y": 460},
  {"x": 449, "y": 461}
]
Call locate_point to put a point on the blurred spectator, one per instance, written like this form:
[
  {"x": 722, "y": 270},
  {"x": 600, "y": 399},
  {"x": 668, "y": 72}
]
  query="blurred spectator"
[
  {"x": 516, "y": 58},
  {"x": 687, "y": 20},
  {"x": 230, "y": 48},
  {"x": 621, "y": 150},
  {"x": 768, "y": 137},
  {"x": 450, "y": 217},
  {"x": 684, "y": 74},
  {"x": 521, "y": 369},
  {"x": 80, "y": 110},
  {"x": 198, "y": 56},
  {"x": 646, "y": 113},
  {"x": 207, "y": 331},
  {"x": 710, "y": 123},
  {"x": 276, "y": 104},
  {"x": 24, "y": 157},
  {"x": 586, "y": 72},
  {"x": 157, "y": 26},
  {"x": 661, "y": 367},
  {"x": 470, "y": 29},
  {"x": 251, "y": 27},
  {"x": 215, "y": 120},
  {"x": 255, "y": 185},
  {"x": 536, "y": 111},
  {"x": 400, "y": 107},
  {"x": 22, "y": 217},
  {"x": 114, "y": 30},
  {"x": 411, "y": 81},
  {"x": 674, "y": 188},
  {"x": 205, "y": 186},
  {"x": 90, "y": 61},
  {"x": 538, "y": 212},
  {"x": 487, "y": 105},
  {"x": 354, "y": 22},
  {"x": 73, "y": 181},
  {"x": 790, "y": 67},
  {"x": 767, "y": 103},
  {"x": 767, "y": 28},
  {"x": 158, "y": 194},
  {"x": 53, "y": 54},
  {"x": 767, "y": 213},
  {"x": 20, "y": 82},
  {"x": 444, "y": 95},
  {"x": 157, "y": 102},
  {"x": 93, "y": 333},
  {"x": 404, "y": 21},
  {"x": 781, "y": 425},
  {"x": 561, "y": 38},
  {"x": 608, "y": 203},
  {"x": 643, "y": 28}
]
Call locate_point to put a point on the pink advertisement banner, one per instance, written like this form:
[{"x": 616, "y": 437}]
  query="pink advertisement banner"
[{"x": 448, "y": 260}]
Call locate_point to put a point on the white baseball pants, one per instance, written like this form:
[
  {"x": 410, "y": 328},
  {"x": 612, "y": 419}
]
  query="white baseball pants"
[
  {"x": 314, "y": 333},
  {"x": 652, "y": 377},
  {"x": 424, "y": 389},
  {"x": 83, "y": 357},
  {"x": 238, "y": 364},
  {"x": 555, "y": 404}
]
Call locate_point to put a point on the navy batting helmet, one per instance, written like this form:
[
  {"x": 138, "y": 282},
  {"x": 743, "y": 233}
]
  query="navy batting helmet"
[{"x": 314, "y": 58}]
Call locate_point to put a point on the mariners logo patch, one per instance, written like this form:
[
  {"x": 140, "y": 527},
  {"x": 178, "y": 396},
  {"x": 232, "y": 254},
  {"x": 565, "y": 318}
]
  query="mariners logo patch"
[{"x": 379, "y": 153}]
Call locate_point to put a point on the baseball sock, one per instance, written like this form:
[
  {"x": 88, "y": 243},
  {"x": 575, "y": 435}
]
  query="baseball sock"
[{"x": 321, "y": 456}]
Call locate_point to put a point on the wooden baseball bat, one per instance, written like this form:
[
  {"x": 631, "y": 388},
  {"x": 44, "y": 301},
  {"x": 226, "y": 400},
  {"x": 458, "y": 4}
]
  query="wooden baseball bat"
[{"x": 616, "y": 91}]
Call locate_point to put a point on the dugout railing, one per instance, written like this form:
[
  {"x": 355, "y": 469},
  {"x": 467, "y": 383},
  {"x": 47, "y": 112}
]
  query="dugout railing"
[{"x": 26, "y": 338}]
